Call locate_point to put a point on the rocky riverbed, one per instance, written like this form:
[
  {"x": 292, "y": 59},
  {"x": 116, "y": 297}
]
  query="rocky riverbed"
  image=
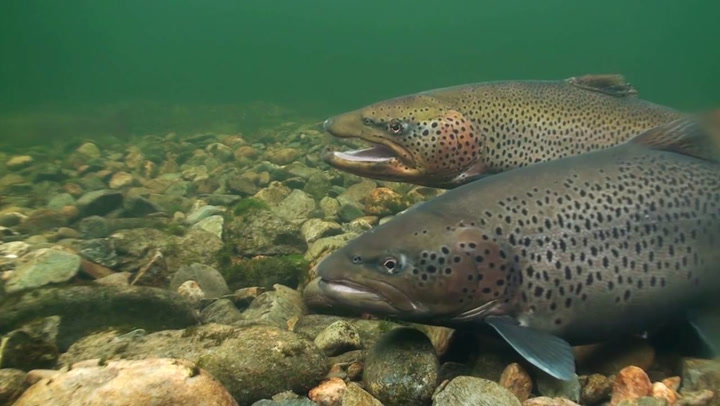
[{"x": 168, "y": 270}]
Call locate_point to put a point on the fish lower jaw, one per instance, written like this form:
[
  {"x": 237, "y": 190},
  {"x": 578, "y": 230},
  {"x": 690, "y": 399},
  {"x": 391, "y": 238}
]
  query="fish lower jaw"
[
  {"x": 358, "y": 156},
  {"x": 379, "y": 154},
  {"x": 344, "y": 287},
  {"x": 365, "y": 298}
]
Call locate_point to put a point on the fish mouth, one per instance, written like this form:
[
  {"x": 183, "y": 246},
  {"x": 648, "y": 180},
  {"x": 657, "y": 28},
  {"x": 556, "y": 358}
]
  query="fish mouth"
[
  {"x": 381, "y": 157},
  {"x": 369, "y": 298}
]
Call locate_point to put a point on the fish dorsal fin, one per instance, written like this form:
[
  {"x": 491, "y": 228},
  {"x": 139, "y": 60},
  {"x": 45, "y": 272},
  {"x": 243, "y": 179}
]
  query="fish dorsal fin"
[
  {"x": 610, "y": 84},
  {"x": 695, "y": 135}
]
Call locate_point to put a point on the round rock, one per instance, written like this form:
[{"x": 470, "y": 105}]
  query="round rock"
[
  {"x": 156, "y": 381},
  {"x": 402, "y": 368},
  {"x": 337, "y": 338},
  {"x": 469, "y": 390},
  {"x": 45, "y": 266}
]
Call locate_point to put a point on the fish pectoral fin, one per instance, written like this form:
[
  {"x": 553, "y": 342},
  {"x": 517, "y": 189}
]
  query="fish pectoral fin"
[
  {"x": 696, "y": 135},
  {"x": 551, "y": 354},
  {"x": 610, "y": 84},
  {"x": 706, "y": 323}
]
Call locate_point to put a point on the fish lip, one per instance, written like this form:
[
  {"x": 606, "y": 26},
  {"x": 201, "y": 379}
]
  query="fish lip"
[
  {"x": 336, "y": 288},
  {"x": 365, "y": 155},
  {"x": 379, "y": 144}
]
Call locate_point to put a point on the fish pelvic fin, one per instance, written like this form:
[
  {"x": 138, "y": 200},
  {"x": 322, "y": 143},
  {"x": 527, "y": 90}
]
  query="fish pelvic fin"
[
  {"x": 551, "y": 354},
  {"x": 696, "y": 135},
  {"x": 612, "y": 84}
]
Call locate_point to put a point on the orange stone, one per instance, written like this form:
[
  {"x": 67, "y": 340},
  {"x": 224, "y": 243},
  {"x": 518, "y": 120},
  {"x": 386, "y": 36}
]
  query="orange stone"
[{"x": 630, "y": 383}]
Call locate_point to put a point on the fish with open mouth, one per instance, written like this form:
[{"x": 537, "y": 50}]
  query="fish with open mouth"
[
  {"x": 451, "y": 136},
  {"x": 576, "y": 250}
]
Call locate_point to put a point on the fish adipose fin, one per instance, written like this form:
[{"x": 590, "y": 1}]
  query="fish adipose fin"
[
  {"x": 697, "y": 136},
  {"x": 610, "y": 84},
  {"x": 707, "y": 325},
  {"x": 551, "y": 354}
]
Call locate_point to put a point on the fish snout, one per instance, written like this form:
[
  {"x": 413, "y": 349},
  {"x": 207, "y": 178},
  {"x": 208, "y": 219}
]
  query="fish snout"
[{"x": 327, "y": 123}]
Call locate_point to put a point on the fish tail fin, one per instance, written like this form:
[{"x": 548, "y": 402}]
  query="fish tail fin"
[{"x": 696, "y": 135}]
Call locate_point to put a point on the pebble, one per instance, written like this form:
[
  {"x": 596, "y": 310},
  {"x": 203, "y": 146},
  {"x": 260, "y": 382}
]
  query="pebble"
[
  {"x": 281, "y": 156},
  {"x": 191, "y": 291},
  {"x": 699, "y": 374},
  {"x": 201, "y": 213},
  {"x": 221, "y": 311},
  {"x": 60, "y": 200},
  {"x": 276, "y": 307},
  {"x": 129, "y": 382},
  {"x": 45, "y": 266},
  {"x": 329, "y": 392},
  {"x": 357, "y": 396},
  {"x": 14, "y": 249},
  {"x": 337, "y": 338},
  {"x": 596, "y": 388},
  {"x": 116, "y": 279},
  {"x": 212, "y": 224},
  {"x": 89, "y": 150},
  {"x": 384, "y": 201},
  {"x": 470, "y": 390},
  {"x": 515, "y": 379},
  {"x": 314, "y": 229},
  {"x": 660, "y": 391},
  {"x": 245, "y": 151},
  {"x": 348, "y": 212},
  {"x": 244, "y": 296},
  {"x": 630, "y": 383},
  {"x": 99, "y": 202},
  {"x": 120, "y": 180},
  {"x": 18, "y": 162},
  {"x": 401, "y": 368},
  {"x": 296, "y": 207},
  {"x": 208, "y": 279},
  {"x": 329, "y": 207}
]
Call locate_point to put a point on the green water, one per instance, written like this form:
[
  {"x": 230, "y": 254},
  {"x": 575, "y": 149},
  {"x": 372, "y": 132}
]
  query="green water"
[{"x": 321, "y": 57}]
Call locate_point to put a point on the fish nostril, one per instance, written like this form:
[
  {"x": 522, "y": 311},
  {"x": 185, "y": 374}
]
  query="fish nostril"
[{"x": 327, "y": 123}]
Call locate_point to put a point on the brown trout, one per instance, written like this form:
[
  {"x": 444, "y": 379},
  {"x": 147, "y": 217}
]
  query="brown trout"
[
  {"x": 448, "y": 137},
  {"x": 576, "y": 250}
]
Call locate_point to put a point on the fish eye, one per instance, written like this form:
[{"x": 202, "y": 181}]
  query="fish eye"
[
  {"x": 367, "y": 121},
  {"x": 356, "y": 259},
  {"x": 390, "y": 264},
  {"x": 395, "y": 127}
]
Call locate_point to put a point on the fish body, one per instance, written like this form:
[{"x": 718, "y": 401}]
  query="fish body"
[
  {"x": 575, "y": 250},
  {"x": 448, "y": 137}
]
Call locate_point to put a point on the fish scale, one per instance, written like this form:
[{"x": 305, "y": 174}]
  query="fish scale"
[
  {"x": 448, "y": 137},
  {"x": 577, "y": 250}
]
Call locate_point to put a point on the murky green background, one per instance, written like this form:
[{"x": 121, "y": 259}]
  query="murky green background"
[{"x": 101, "y": 60}]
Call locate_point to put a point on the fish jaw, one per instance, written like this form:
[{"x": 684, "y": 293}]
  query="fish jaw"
[{"x": 347, "y": 293}]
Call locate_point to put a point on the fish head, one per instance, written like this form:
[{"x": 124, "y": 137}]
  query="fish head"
[
  {"x": 421, "y": 270},
  {"x": 416, "y": 139}
]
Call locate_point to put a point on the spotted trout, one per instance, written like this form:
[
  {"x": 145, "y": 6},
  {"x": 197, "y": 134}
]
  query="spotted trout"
[
  {"x": 576, "y": 250},
  {"x": 448, "y": 137}
]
